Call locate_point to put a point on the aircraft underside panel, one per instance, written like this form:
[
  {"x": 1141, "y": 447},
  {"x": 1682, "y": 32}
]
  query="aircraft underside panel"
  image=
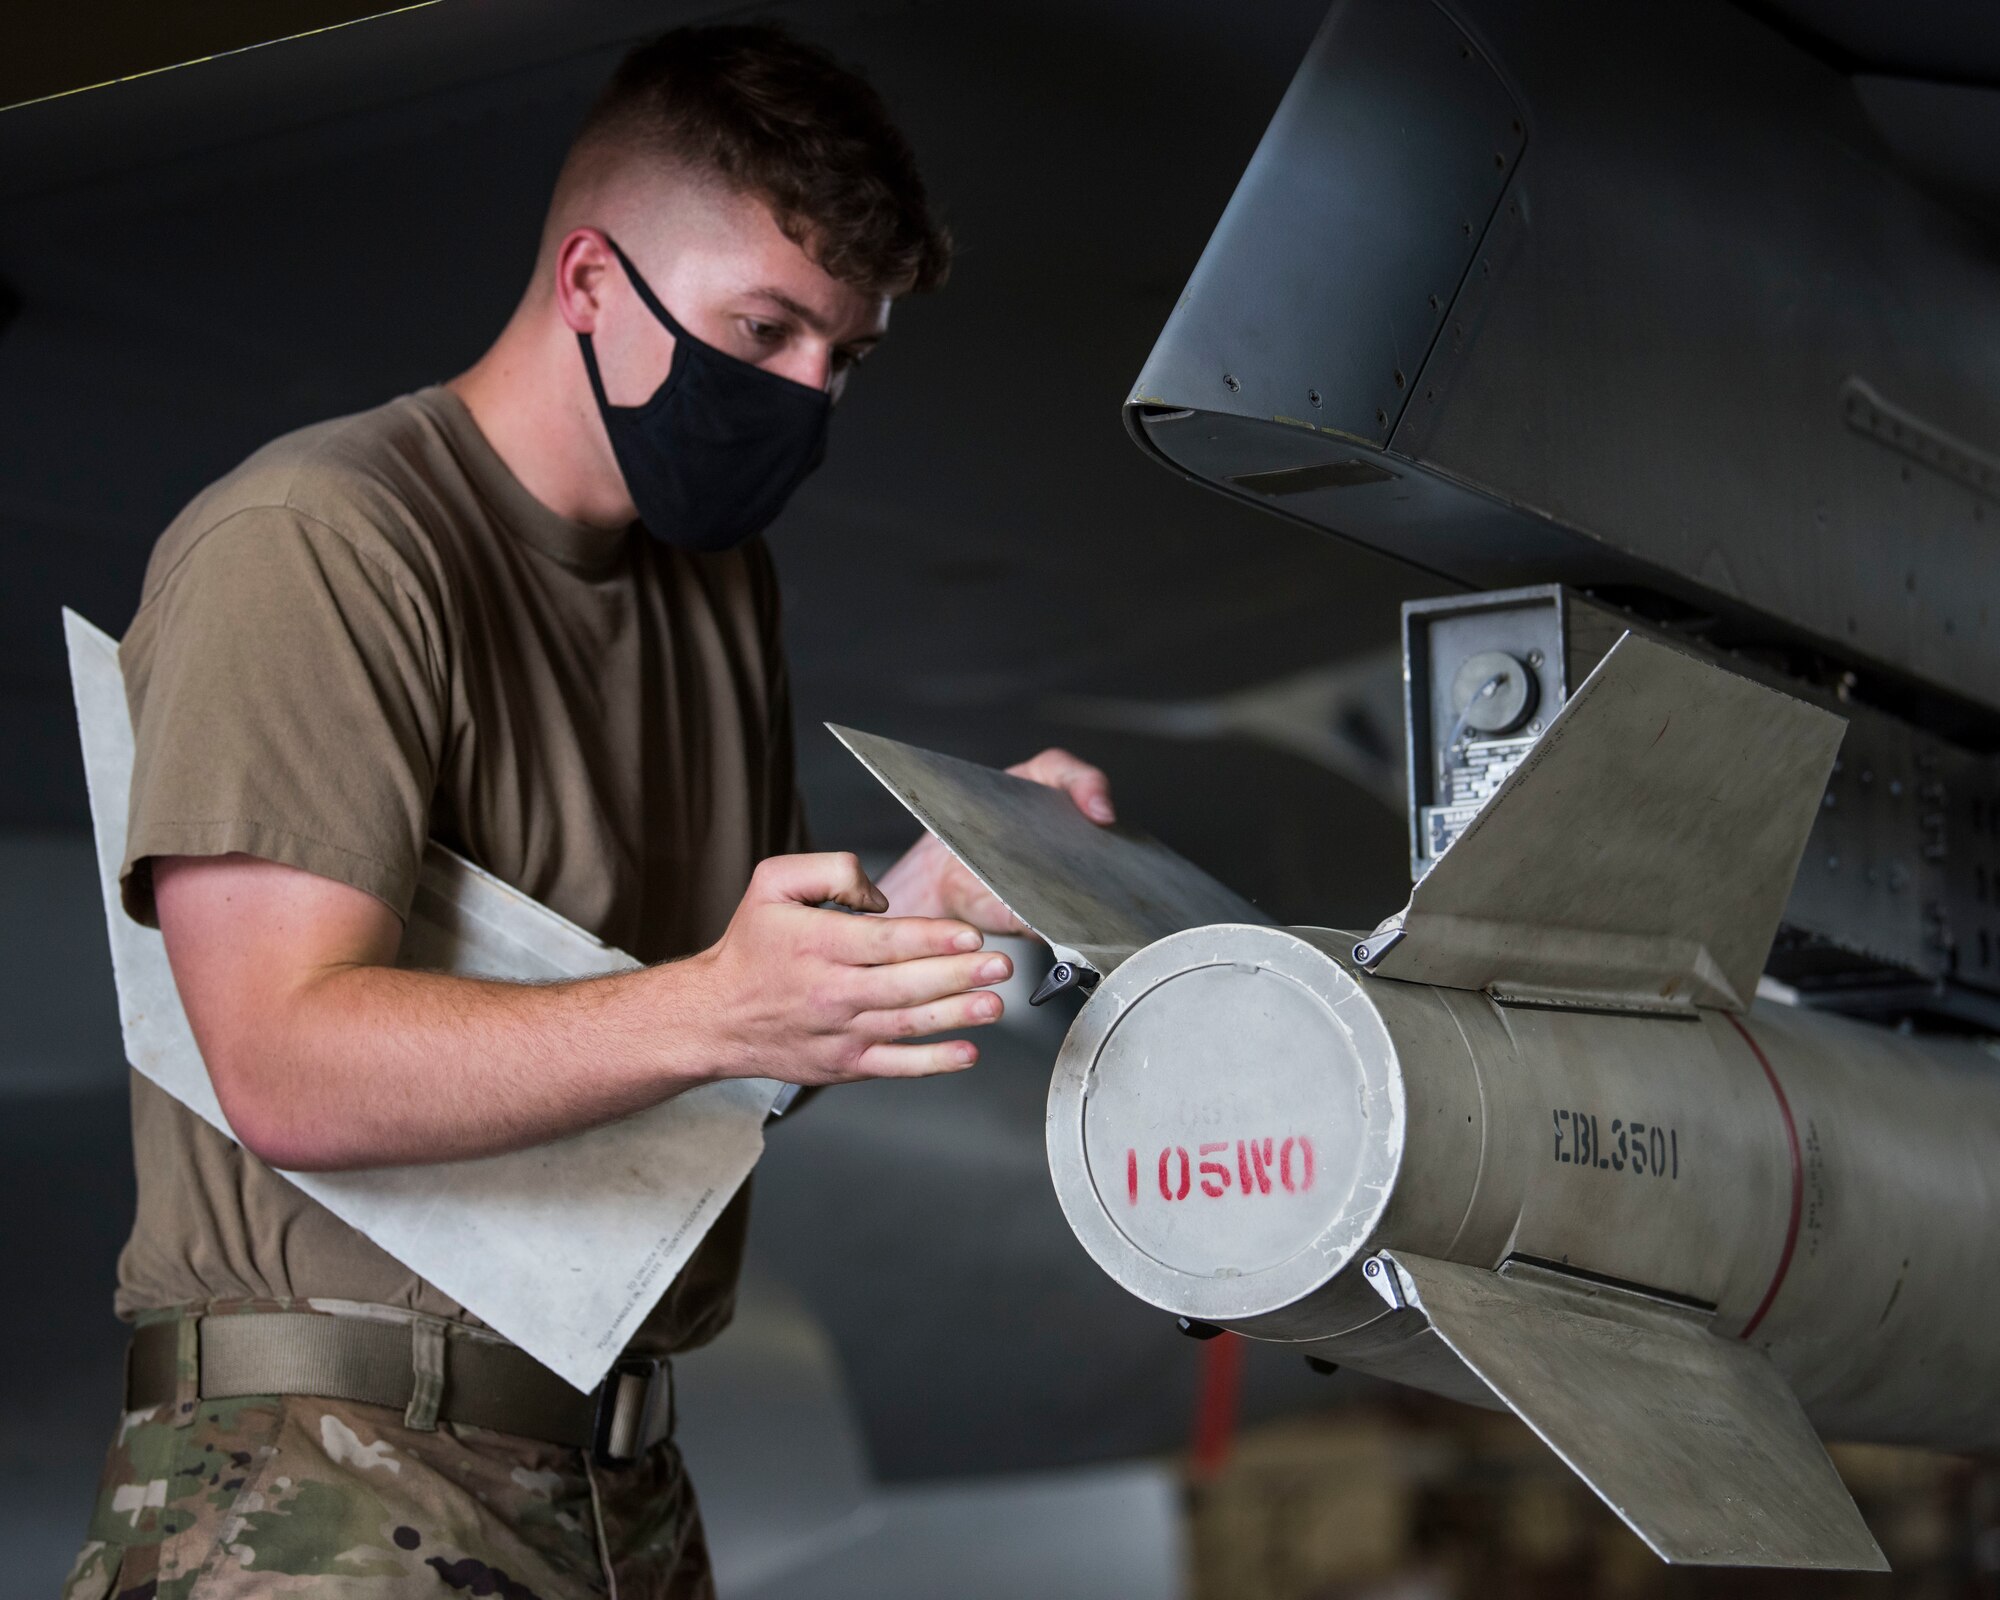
[{"x": 1628, "y": 297}]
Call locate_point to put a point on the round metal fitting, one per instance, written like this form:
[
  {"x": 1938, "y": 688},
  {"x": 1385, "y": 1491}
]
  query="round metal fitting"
[
  {"x": 1226, "y": 1122},
  {"x": 1493, "y": 692}
]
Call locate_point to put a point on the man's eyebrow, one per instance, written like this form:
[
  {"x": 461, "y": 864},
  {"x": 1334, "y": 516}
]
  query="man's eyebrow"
[{"x": 811, "y": 318}]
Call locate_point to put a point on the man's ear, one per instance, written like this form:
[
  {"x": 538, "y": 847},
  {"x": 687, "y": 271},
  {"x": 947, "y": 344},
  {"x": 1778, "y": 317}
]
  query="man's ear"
[{"x": 584, "y": 263}]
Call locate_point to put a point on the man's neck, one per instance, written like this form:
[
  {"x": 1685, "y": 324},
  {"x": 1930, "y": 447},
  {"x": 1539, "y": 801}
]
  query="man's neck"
[{"x": 529, "y": 396}]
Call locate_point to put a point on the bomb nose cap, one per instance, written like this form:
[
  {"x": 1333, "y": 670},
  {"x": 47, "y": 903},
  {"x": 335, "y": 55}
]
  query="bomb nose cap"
[{"x": 1226, "y": 1121}]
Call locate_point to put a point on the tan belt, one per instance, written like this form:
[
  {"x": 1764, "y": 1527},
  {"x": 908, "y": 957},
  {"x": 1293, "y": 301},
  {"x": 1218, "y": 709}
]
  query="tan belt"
[{"x": 470, "y": 1381}]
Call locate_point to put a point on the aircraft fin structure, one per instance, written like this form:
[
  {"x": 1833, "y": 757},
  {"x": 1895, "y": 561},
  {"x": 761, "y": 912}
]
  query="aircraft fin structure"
[
  {"x": 1639, "y": 859},
  {"x": 565, "y": 1247},
  {"x": 1694, "y": 1441},
  {"x": 1096, "y": 894}
]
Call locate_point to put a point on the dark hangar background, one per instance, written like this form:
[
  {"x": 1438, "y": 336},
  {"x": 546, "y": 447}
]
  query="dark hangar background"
[{"x": 194, "y": 262}]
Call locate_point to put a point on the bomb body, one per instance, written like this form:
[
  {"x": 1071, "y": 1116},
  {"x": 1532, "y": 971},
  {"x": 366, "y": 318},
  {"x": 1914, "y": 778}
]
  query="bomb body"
[{"x": 1241, "y": 1120}]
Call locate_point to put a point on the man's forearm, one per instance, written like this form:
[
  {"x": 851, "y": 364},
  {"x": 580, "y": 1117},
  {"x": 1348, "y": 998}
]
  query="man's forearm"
[
  {"x": 367, "y": 1066},
  {"x": 325, "y": 1055}
]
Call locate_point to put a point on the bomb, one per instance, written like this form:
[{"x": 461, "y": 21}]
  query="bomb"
[{"x": 1531, "y": 1143}]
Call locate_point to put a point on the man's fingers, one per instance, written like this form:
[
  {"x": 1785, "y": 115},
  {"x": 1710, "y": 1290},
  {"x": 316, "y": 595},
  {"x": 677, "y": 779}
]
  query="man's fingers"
[
  {"x": 916, "y": 1060},
  {"x": 873, "y": 941},
  {"x": 1085, "y": 784},
  {"x": 811, "y": 879},
  {"x": 990, "y": 912},
  {"x": 915, "y": 983},
  {"x": 948, "y": 1015}
]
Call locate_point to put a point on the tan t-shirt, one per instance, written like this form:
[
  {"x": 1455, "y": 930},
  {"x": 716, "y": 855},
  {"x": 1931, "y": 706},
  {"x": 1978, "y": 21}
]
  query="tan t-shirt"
[{"x": 370, "y": 633}]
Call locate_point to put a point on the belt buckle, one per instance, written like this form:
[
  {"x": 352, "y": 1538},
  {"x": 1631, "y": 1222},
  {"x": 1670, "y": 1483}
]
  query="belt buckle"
[{"x": 619, "y": 1432}]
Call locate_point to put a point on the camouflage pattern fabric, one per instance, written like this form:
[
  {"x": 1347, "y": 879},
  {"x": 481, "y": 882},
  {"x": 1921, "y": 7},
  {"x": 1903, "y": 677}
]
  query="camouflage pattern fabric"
[{"x": 292, "y": 1495}]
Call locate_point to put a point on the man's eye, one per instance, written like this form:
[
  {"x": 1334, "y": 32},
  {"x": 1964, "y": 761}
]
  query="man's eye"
[{"x": 764, "y": 332}]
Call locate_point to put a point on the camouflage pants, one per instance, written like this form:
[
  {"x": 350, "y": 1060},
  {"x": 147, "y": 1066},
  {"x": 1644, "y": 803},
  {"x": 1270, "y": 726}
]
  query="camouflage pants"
[{"x": 279, "y": 1496}]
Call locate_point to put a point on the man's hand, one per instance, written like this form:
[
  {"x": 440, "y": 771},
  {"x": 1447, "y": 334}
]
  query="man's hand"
[
  {"x": 930, "y": 882},
  {"x": 325, "y": 1056},
  {"x": 814, "y": 996}
]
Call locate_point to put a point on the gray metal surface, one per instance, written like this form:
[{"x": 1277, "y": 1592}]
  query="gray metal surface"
[
  {"x": 1694, "y": 1441},
  {"x": 1639, "y": 857},
  {"x": 792, "y": 1506},
  {"x": 1648, "y": 375},
  {"x": 465, "y": 920},
  {"x": 1094, "y": 893},
  {"x": 1225, "y": 1122},
  {"x": 1494, "y": 693},
  {"x": 1895, "y": 909},
  {"x": 1896, "y": 905},
  {"x": 1079, "y": 1534},
  {"x": 1815, "y": 1185},
  {"x": 1401, "y": 1347},
  {"x": 1818, "y": 1182},
  {"x": 565, "y": 1247},
  {"x": 1446, "y": 786},
  {"x": 1714, "y": 1232},
  {"x": 1904, "y": 867},
  {"x": 1298, "y": 230},
  {"x": 1943, "y": 132}
]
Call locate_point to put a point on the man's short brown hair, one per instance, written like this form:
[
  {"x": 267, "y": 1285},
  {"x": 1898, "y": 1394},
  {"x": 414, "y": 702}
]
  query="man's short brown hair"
[{"x": 768, "y": 115}]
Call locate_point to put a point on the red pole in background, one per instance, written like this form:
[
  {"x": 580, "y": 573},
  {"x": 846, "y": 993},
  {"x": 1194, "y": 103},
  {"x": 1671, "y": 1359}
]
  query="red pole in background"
[{"x": 1218, "y": 1400}]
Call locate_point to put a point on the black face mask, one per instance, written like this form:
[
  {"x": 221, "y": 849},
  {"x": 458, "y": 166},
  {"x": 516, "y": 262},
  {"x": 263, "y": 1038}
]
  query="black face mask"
[{"x": 716, "y": 452}]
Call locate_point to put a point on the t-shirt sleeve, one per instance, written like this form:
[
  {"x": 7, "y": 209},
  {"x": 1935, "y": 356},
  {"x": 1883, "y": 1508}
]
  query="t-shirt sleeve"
[{"x": 288, "y": 701}]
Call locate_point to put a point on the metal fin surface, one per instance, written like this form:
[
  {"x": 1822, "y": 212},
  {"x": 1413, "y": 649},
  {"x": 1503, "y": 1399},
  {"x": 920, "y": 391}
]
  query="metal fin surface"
[
  {"x": 565, "y": 1247},
  {"x": 1641, "y": 856},
  {"x": 1695, "y": 1442},
  {"x": 1096, "y": 894}
]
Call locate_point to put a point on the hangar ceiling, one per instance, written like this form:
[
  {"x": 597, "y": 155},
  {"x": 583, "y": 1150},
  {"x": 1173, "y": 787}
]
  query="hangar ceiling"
[
  {"x": 216, "y": 254},
  {"x": 209, "y": 256}
]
